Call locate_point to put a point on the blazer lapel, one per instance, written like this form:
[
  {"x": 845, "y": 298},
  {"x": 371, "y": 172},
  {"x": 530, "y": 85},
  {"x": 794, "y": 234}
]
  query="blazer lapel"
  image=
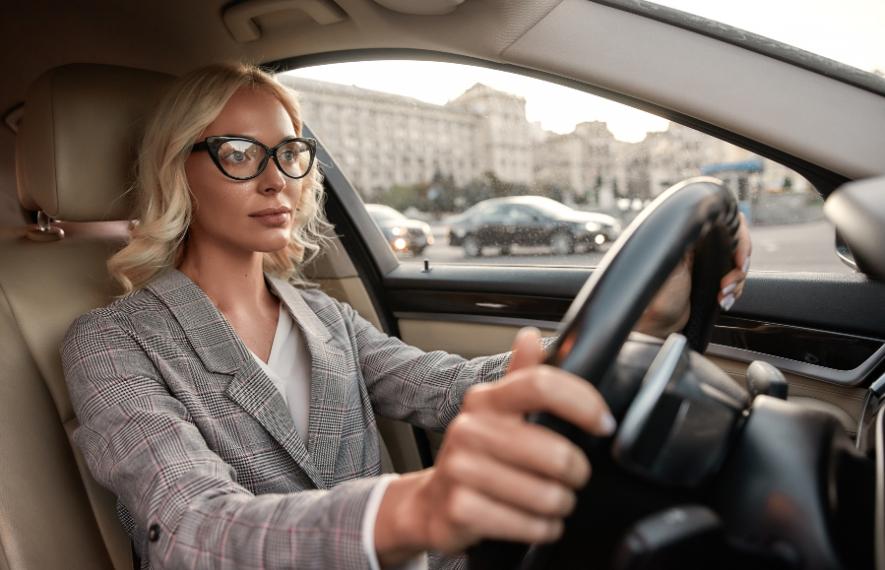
[
  {"x": 257, "y": 395},
  {"x": 327, "y": 385},
  {"x": 221, "y": 351}
]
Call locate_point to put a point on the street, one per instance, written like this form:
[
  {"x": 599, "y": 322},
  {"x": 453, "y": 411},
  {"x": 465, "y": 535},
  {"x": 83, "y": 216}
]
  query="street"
[{"x": 791, "y": 248}]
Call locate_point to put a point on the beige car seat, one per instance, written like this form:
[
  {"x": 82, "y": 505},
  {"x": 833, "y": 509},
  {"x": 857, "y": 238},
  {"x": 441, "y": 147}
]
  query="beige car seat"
[{"x": 74, "y": 156}]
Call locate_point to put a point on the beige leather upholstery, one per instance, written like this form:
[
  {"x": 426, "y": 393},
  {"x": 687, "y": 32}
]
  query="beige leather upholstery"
[
  {"x": 24, "y": 199},
  {"x": 74, "y": 156},
  {"x": 50, "y": 517},
  {"x": 79, "y": 135}
]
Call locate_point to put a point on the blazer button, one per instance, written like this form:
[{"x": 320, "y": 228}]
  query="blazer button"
[{"x": 154, "y": 533}]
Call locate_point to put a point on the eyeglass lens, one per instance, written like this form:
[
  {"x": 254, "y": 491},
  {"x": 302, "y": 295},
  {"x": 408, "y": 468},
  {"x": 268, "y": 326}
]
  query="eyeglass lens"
[{"x": 244, "y": 159}]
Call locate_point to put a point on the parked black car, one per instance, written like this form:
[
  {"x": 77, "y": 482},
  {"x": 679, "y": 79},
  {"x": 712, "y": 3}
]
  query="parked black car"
[
  {"x": 531, "y": 221},
  {"x": 403, "y": 234}
]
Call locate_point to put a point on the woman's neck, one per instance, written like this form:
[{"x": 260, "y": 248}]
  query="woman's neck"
[{"x": 233, "y": 280}]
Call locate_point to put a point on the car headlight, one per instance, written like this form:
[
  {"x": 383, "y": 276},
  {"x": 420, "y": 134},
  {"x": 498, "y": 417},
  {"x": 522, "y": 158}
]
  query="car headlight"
[
  {"x": 592, "y": 227},
  {"x": 397, "y": 231},
  {"x": 400, "y": 244}
]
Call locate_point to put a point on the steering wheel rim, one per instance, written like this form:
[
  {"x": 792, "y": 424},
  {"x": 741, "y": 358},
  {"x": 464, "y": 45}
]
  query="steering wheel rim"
[{"x": 699, "y": 213}]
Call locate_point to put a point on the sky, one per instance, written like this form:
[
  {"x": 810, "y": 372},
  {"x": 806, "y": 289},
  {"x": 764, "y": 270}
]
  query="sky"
[{"x": 849, "y": 31}]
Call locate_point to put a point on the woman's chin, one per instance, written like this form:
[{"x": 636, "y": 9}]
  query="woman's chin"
[{"x": 271, "y": 245}]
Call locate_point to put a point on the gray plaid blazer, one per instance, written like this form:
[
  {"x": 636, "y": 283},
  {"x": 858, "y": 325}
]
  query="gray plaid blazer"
[{"x": 179, "y": 421}]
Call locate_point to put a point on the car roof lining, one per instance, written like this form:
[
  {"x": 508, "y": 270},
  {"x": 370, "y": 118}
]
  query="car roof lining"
[{"x": 748, "y": 40}]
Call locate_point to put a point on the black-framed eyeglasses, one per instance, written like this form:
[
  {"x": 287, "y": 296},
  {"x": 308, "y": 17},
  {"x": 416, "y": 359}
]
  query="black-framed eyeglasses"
[{"x": 242, "y": 158}]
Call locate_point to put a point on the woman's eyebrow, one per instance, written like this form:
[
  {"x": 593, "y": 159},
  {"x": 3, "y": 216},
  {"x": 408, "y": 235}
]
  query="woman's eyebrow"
[{"x": 252, "y": 138}]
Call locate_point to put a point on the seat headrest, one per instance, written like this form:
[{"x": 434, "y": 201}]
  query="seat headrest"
[
  {"x": 23, "y": 197},
  {"x": 79, "y": 136}
]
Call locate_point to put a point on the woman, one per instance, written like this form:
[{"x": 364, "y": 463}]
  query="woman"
[{"x": 232, "y": 413}]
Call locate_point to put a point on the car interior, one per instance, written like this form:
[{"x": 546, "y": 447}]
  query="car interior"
[{"x": 80, "y": 78}]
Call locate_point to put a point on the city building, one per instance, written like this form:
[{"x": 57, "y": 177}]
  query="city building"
[
  {"x": 384, "y": 140},
  {"x": 504, "y": 136},
  {"x": 579, "y": 165}
]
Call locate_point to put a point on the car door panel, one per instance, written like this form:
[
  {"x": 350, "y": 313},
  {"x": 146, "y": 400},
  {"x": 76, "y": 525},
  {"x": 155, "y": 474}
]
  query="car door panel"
[
  {"x": 478, "y": 310},
  {"x": 544, "y": 293}
]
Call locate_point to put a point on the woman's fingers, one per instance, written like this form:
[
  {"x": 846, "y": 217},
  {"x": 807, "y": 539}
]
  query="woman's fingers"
[
  {"x": 732, "y": 285},
  {"x": 524, "y": 446},
  {"x": 498, "y": 476},
  {"x": 545, "y": 389},
  {"x": 519, "y": 489},
  {"x": 476, "y": 515},
  {"x": 744, "y": 246},
  {"x": 527, "y": 349}
]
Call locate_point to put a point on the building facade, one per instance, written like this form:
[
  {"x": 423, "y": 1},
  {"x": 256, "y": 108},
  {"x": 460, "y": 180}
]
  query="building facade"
[
  {"x": 383, "y": 140},
  {"x": 504, "y": 136},
  {"x": 580, "y": 164}
]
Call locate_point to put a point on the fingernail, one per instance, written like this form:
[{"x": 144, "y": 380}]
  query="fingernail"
[
  {"x": 728, "y": 288},
  {"x": 727, "y": 302},
  {"x": 524, "y": 331},
  {"x": 746, "y": 266},
  {"x": 607, "y": 424}
]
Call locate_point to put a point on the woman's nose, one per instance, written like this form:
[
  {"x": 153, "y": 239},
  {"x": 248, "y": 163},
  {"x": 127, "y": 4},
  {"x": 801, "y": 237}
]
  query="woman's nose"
[{"x": 272, "y": 180}]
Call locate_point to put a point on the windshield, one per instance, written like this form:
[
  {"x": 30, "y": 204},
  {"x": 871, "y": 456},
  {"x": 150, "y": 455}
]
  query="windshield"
[{"x": 848, "y": 31}]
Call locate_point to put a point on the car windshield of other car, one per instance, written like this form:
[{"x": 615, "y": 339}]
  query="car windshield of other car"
[
  {"x": 551, "y": 207},
  {"x": 463, "y": 141},
  {"x": 384, "y": 213}
]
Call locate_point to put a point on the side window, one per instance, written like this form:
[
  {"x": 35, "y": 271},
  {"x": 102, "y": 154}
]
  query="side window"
[
  {"x": 455, "y": 144},
  {"x": 520, "y": 215},
  {"x": 496, "y": 215}
]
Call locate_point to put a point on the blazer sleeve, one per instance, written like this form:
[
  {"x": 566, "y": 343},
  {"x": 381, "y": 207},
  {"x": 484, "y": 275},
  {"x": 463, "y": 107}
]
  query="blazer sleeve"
[
  {"x": 140, "y": 442},
  {"x": 407, "y": 383}
]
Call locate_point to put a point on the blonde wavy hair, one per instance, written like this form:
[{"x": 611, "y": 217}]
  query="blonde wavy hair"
[{"x": 164, "y": 204}]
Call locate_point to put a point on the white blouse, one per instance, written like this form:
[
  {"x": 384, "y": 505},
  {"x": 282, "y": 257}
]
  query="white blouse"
[{"x": 288, "y": 367}]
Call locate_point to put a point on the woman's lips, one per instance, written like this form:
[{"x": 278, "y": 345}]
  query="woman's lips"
[{"x": 273, "y": 219}]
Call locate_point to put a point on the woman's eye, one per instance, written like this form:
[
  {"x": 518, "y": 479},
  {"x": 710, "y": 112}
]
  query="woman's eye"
[
  {"x": 288, "y": 156},
  {"x": 235, "y": 157}
]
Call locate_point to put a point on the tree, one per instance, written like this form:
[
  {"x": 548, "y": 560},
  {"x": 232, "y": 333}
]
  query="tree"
[
  {"x": 597, "y": 189},
  {"x": 441, "y": 194},
  {"x": 399, "y": 197},
  {"x": 788, "y": 184},
  {"x": 553, "y": 190}
]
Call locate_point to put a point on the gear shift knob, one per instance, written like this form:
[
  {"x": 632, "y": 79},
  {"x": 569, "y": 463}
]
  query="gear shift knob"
[{"x": 763, "y": 378}]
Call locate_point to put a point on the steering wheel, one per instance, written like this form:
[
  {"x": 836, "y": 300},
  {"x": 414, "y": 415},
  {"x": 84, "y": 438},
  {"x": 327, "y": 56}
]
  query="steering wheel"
[{"x": 690, "y": 475}]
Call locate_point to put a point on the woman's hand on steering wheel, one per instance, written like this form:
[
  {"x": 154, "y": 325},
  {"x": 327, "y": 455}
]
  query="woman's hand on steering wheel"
[
  {"x": 734, "y": 280},
  {"x": 669, "y": 310},
  {"x": 497, "y": 476}
]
